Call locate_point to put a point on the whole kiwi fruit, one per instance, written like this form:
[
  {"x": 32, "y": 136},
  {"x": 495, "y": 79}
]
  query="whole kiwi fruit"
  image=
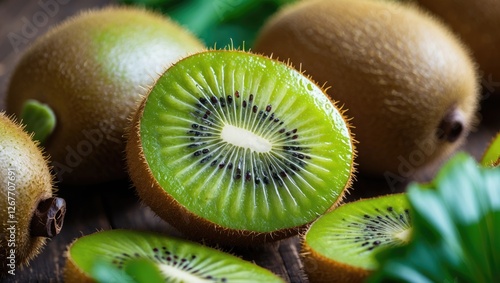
[
  {"x": 409, "y": 84},
  {"x": 237, "y": 149},
  {"x": 29, "y": 211},
  {"x": 139, "y": 256},
  {"x": 90, "y": 71},
  {"x": 477, "y": 23},
  {"x": 341, "y": 245}
]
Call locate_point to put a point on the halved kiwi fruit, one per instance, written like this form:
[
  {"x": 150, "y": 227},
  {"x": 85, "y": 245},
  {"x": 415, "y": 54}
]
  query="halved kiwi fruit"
[
  {"x": 29, "y": 211},
  {"x": 340, "y": 246},
  {"x": 90, "y": 72},
  {"x": 133, "y": 253},
  {"x": 238, "y": 148}
]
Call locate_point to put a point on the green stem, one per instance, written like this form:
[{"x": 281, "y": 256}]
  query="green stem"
[{"x": 39, "y": 119}]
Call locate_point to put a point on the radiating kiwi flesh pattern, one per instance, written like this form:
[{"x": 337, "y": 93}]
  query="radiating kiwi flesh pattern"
[
  {"x": 177, "y": 259},
  {"x": 341, "y": 245},
  {"x": 240, "y": 143}
]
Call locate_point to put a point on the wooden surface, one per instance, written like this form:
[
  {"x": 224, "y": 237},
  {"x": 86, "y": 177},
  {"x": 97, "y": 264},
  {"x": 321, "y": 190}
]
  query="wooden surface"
[{"x": 115, "y": 205}]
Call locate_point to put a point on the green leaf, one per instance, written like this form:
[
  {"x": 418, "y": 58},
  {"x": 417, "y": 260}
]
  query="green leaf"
[
  {"x": 218, "y": 22},
  {"x": 456, "y": 229}
]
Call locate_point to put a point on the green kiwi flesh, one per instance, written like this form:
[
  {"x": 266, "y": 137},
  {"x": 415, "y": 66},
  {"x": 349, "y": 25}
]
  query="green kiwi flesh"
[
  {"x": 241, "y": 142},
  {"x": 176, "y": 260},
  {"x": 341, "y": 244}
]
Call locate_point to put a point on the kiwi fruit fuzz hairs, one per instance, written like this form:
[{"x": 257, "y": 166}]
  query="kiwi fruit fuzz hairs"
[
  {"x": 410, "y": 86},
  {"x": 477, "y": 23},
  {"x": 341, "y": 245},
  {"x": 176, "y": 260},
  {"x": 28, "y": 210},
  {"x": 236, "y": 148},
  {"x": 91, "y": 71}
]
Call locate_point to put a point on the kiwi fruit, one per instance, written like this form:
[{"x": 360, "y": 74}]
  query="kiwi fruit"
[
  {"x": 29, "y": 211},
  {"x": 237, "y": 148},
  {"x": 174, "y": 259},
  {"x": 90, "y": 71},
  {"x": 341, "y": 245},
  {"x": 476, "y": 23},
  {"x": 408, "y": 83},
  {"x": 491, "y": 156}
]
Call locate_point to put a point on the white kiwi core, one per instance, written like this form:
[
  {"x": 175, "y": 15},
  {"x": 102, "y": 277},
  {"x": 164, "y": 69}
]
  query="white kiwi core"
[
  {"x": 181, "y": 275},
  {"x": 245, "y": 139},
  {"x": 404, "y": 235}
]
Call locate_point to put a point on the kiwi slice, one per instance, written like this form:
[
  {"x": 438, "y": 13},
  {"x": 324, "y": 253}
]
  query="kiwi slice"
[
  {"x": 238, "y": 148},
  {"x": 491, "y": 156},
  {"x": 340, "y": 246},
  {"x": 133, "y": 253},
  {"x": 29, "y": 211}
]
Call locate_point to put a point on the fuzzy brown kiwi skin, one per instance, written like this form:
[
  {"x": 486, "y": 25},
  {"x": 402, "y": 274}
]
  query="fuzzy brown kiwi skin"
[
  {"x": 477, "y": 23},
  {"x": 92, "y": 84},
  {"x": 388, "y": 74},
  {"x": 32, "y": 186},
  {"x": 321, "y": 269},
  {"x": 71, "y": 272},
  {"x": 193, "y": 226}
]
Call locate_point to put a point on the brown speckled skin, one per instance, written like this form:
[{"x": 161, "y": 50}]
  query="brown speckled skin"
[
  {"x": 32, "y": 183},
  {"x": 395, "y": 69},
  {"x": 477, "y": 23},
  {"x": 320, "y": 269},
  {"x": 93, "y": 83}
]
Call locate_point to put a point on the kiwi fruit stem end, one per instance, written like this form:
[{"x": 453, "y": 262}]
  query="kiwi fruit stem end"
[
  {"x": 48, "y": 218},
  {"x": 38, "y": 119}
]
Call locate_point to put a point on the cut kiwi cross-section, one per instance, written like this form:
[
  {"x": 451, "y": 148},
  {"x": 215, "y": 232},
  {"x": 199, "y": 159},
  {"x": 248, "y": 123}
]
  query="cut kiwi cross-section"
[
  {"x": 232, "y": 146},
  {"x": 340, "y": 246},
  {"x": 125, "y": 256}
]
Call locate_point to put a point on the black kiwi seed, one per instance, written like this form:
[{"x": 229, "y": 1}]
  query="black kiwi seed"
[
  {"x": 254, "y": 128},
  {"x": 184, "y": 263},
  {"x": 292, "y": 156},
  {"x": 376, "y": 229}
]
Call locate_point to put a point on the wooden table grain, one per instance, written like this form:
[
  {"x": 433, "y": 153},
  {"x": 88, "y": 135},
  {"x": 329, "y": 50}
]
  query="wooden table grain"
[{"x": 115, "y": 205}]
